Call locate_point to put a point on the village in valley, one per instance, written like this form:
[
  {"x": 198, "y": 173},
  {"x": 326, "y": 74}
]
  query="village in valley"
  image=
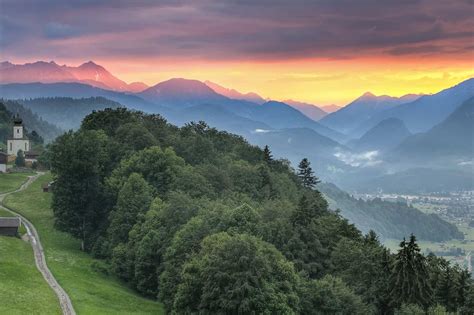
[{"x": 454, "y": 207}]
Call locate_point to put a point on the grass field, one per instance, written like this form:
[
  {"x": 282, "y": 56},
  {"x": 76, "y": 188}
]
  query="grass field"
[
  {"x": 12, "y": 181},
  {"x": 91, "y": 292},
  {"x": 22, "y": 287}
]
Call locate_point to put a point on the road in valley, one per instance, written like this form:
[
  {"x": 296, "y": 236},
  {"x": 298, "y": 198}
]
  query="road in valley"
[{"x": 40, "y": 260}]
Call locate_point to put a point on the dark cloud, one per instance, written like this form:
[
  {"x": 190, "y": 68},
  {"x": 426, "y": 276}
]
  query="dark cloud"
[{"x": 239, "y": 29}]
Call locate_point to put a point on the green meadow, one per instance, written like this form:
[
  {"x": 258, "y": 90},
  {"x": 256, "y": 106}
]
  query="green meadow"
[
  {"x": 12, "y": 181},
  {"x": 91, "y": 290},
  {"x": 22, "y": 287}
]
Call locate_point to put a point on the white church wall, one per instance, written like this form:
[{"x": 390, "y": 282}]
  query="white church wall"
[{"x": 13, "y": 146}]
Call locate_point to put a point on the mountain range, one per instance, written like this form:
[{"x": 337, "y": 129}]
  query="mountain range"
[
  {"x": 49, "y": 72},
  {"x": 384, "y": 136},
  {"x": 231, "y": 93},
  {"x": 426, "y": 111},
  {"x": 373, "y": 138},
  {"x": 452, "y": 138},
  {"x": 314, "y": 112},
  {"x": 362, "y": 109}
]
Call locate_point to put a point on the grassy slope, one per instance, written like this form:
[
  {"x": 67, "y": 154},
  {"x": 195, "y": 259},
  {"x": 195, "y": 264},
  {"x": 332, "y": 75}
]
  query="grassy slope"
[
  {"x": 22, "y": 287},
  {"x": 91, "y": 292},
  {"x": 10, "y": 182}
]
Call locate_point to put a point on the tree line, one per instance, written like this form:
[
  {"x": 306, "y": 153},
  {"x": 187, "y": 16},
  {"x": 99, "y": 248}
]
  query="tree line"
[{"x": 207, "y": 223}]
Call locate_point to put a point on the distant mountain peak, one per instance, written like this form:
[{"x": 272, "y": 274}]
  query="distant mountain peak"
[
  {"x": 50, "y": 72},
  {"x": 367, "y": 95},
  {"x": 234, "y": 94}
]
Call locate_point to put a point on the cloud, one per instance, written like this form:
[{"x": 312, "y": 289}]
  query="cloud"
[
  {"x": 364, "y": 159},
  {"x": 55, "y": 30},
  {"x": 237, "y": 30}
]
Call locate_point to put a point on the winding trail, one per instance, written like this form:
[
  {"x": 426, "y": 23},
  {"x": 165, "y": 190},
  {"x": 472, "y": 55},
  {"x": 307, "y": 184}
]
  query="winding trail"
[{"x": 64, "y": 300}]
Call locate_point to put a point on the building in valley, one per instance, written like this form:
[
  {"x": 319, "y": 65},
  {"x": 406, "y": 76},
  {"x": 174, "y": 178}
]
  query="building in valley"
[
  {"x": 9, "y": 226},
  {"x": 19, "y": 140}
]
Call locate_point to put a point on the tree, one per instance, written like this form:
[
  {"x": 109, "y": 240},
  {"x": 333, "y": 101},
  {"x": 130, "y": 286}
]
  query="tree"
[
  {"x": 267, "y": 155},
  {"x": 410, "y": 309},
  {"x": 409, "y": 278},
  {"x": 133, "y": 200},
  {"x": 20, "y": 159},
  {"x": 306, "y": 174},
  {"x": 367, "y": 277},
  {"x": 309, "y": 207},
  {"x": 78, "y": 161},
  {"x": 238, "y": 274},
  {"x": 446, "y": 292},
  {"x": 331, "y": 295}
]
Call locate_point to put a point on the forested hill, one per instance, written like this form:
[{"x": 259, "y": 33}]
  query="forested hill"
[
  {"x": 31, "y": 121},
  {"x": 389, "y": 219},
  {"x": 209, "y": 224},
  {"x": 67, "y": 112}
]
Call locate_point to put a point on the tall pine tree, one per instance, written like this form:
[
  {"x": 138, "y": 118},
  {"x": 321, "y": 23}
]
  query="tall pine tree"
[
  {"x": 409, "y": 278},
  {"x": 306, "y": 174},
  {"x": 267, "y": 155}
]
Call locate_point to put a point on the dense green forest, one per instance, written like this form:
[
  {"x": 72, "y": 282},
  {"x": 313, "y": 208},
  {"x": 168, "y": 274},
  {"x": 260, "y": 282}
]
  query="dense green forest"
[
  {"x": 31, "y": 121},
  {"x": 67, "y": 112},
  {"x": 389, "y": 219},
  {"x": 209, "y": 224}
]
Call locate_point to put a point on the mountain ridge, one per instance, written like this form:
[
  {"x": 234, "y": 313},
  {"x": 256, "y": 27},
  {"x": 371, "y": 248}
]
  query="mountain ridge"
[{"x": 51, "y": 72}]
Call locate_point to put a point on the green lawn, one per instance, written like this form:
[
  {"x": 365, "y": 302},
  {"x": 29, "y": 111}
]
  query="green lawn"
[
  {"x": 11, "y": 181},
  {"x": 23, "y": 289},
  {"x": 91, "y": 292}
]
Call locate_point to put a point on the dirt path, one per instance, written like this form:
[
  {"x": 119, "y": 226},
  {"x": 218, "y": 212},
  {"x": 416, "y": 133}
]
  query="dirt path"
[{"x": 64, "y": 300}]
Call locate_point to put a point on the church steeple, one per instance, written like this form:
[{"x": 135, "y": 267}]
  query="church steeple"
[{"x": 18, "y": 130}]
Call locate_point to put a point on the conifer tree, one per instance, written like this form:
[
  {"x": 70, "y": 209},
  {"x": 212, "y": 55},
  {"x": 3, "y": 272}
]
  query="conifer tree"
[
  {"x": 446, "y": 292},
  {"x": 409, "y": 278},
  {"x": 267, "y": 155},
  {"x": 306, "y": 174}
]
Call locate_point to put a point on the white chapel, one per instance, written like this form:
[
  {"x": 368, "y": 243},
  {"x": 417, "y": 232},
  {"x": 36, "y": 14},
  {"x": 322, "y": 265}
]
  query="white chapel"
[{"x": 18, "y": 141}]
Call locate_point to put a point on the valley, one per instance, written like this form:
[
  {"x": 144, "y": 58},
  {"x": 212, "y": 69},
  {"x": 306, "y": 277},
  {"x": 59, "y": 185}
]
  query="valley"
[{"x": 454, "y": 207}]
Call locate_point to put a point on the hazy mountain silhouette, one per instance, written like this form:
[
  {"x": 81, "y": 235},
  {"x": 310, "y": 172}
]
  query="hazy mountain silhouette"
[
  {"x": 330, "y": 108},
  {"x": 231, "y": 93},
  {"x": 386, "y": 135},
  {"x": 312, "y": 111},
  {"x": 362, "y": 109},
  {"x": 75, "y": 90},
  {"x": 425, "y": 112},
  {"x": 453, "y": 137}
]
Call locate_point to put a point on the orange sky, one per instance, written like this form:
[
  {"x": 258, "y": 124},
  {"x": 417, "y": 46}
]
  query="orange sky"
[
  {"x": 315, "y": 51},
  {"x": 315, "y": 81}
]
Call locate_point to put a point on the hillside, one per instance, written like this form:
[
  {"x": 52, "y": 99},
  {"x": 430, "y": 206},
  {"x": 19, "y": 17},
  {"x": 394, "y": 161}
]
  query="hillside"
[
  {"x": 386, "y": 135},
  {"x": 86, "y": 280},
  {"x": 312, "y": 111},
  {"x": 452, "y": 138},
  {"x": 67, "y": 112},
  {"x": 74, "y": 90},
  {"x": 31, "y": 121},
  {"x": 388, "y": 219},
  {"x": 425, "y": 112},
  {"x": 362, "y": 109},
  {"x": 184, "y": 210}
]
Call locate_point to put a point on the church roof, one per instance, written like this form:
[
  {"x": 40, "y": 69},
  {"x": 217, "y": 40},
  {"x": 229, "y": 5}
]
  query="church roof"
[{"x": 17, "y": 121}]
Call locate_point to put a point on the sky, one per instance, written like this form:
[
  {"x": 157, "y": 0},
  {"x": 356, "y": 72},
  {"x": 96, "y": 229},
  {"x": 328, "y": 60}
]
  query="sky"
[{"x": 318, "y": 51}]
